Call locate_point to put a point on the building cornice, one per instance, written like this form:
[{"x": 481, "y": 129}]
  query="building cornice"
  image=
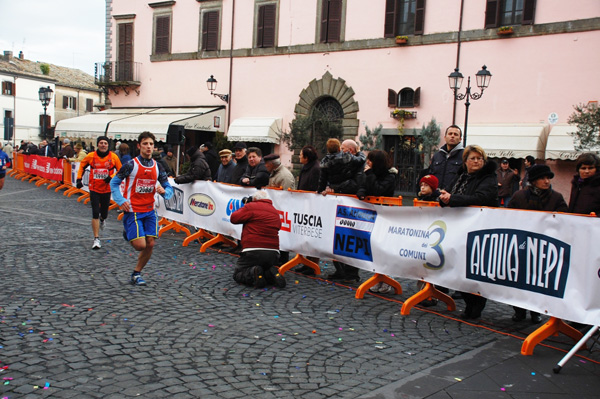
[{"x": 553, "y": 28}]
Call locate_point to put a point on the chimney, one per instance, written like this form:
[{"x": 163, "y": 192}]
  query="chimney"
[
  {"x": 7, "y": 55},
  {"x": 21, "y": 55}
]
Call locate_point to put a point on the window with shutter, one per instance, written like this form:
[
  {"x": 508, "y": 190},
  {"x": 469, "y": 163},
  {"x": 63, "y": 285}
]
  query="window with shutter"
[
  {"x": 509, "y": 12},
  {"x": 124, "y": 67},
  {"x": 404, "y": 17},
  {"x": 210, "y": 31},
  {"x": 417, "y": 97},
  {"x": 65, "y": 102},
  {"x": 406, "y": 98},
  {"x": 89, "y": 105},
  {"x": 265, "y": 29},
  {"x": 8, "y": 88},
  {"x": 162, "y": 41},
  {"x": 392, "y": 98},
  {"x": 331, "y": 20}
]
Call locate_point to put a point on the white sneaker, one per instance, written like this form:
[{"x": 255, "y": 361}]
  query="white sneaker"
[
  {"x": 102, "y": 223},
  {"x": 376, "y": 287},
  {"x": 385, "y": 288},
  {"x": 97, "y": 244}
]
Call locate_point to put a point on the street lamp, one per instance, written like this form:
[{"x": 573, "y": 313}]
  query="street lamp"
[
  {"x": 211, "y": 83},
  {"x": 455, "y": 79},
  {"x": 45, "y": 94}
]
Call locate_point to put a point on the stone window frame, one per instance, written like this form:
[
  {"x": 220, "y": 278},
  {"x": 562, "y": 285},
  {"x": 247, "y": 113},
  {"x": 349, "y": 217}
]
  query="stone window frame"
[
  {"x": 328, "y": 86},
  {"x": 209, "y": 6},
  {"x": 318, "y": 23},
  {"x": 257, "y": 5}
]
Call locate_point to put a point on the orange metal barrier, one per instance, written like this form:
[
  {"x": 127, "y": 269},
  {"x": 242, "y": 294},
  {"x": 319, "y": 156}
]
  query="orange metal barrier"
[
  {"x": 417, "y": 202},
  {"x": 377, "y": 277},
  {"x": 551, "y": 328}
]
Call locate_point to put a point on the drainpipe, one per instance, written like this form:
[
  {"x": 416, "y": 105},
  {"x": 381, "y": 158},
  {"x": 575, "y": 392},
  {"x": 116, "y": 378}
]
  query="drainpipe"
[
  {"x": 462, "y": 4},
  {"x": 231, "y": 65},
  {"x": 14, "y": 113}
]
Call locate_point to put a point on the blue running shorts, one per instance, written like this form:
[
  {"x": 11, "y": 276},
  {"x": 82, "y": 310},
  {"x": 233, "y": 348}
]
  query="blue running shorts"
[{"x": 140, "y": 224}]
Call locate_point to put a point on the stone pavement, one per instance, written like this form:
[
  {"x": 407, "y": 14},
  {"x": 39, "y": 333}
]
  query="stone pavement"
[{"x": 71, "y": 326}]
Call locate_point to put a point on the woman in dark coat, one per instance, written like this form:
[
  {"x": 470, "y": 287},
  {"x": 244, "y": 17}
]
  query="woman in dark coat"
[
  {"x": 380, "y": 178},
  {"x": 537, "y": 196},
  {"x": 477, "y": 185},
  {"x": 380, "y": 181},
  {"x": 585, "y": 186},
  {"x": 311, "y": 170}
]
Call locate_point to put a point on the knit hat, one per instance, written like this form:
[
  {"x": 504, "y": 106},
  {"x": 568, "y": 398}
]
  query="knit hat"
[
  {"x": 431, "y": 181},
  {"x": 191, "y": 151},
  {"x": 538, "y": 171},
  {"x": 66, "y": 141},
  {"x": 102, "y": 138}
]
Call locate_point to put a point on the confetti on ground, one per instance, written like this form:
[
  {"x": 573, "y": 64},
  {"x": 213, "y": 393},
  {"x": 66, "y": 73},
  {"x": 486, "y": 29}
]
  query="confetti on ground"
[{"x": 458, "y": 379}]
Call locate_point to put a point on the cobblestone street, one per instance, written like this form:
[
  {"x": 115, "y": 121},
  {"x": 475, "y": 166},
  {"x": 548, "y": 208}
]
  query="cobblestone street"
[{"x": 71, "y": 325}]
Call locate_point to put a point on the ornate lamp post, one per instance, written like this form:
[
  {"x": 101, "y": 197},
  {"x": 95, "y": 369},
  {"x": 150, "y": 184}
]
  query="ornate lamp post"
[
  {"x": 45, "y": 94},
  {"x": 211, "y": 83},
  {"x": 455, "y": 79}
]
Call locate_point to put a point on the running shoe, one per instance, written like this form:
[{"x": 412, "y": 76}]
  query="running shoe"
[
  {"x": 385, "y": 288},
  {"x": 376, "y": 287},
  {"x": 96, "y": 244},
  {"x": 136, "y": 279}
]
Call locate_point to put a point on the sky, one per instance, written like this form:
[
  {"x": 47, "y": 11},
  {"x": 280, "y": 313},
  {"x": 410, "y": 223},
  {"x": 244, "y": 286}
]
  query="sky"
[{"x": 68, "y": 33}]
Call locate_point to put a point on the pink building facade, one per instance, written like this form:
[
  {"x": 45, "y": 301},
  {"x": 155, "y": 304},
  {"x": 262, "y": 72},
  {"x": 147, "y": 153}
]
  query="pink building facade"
[{"x": 276, "y": 60}]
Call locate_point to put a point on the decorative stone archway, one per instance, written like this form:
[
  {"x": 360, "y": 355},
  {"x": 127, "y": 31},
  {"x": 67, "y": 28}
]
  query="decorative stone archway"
[{"x": 327, "y": 86}]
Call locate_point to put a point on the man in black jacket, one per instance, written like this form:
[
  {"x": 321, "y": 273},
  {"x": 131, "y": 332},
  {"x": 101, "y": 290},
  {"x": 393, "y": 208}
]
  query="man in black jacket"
[
  {"x": 447, "y": 162},
  {"x": 198, "y": 170},
  {"x": 241, "y": 159},
  {"x": 211, "y": 158},
  {"x": 256, "y": 173}
]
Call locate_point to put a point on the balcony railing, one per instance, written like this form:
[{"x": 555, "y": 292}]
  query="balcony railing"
[{"x": 117, "y": 75}]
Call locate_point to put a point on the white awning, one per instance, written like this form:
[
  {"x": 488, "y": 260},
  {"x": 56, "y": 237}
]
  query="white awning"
[
  {"x": 157, "y": 121},
  {"x": 561, "y": 145},
  {"x": 258, "y": 130},
  {"x": 510, "y": 140},
  {"x": 91, "y": 125},
  {"x": 128, "y": 123}
]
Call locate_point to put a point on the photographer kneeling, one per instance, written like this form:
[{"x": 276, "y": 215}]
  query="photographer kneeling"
[{"x": 260, "y": 242}]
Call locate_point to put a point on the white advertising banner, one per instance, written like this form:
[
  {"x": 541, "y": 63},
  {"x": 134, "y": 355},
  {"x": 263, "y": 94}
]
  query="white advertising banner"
[{"x": 536, "y": 260}]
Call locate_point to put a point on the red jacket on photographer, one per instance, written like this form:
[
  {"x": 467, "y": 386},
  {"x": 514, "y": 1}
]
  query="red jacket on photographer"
[{"x": 261, "y": 225}]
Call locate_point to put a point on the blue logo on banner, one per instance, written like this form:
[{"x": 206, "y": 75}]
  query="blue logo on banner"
[
  {"x": 175, "y": 203},
  {"x": 352, "y": 236},
  {"x": 233, "y": 205},
  {"x": 519, "y": 259}
]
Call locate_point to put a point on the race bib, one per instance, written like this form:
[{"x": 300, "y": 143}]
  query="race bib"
[
  {"x": 101, "y": 174},
  {"x": 145, "y": 186}
]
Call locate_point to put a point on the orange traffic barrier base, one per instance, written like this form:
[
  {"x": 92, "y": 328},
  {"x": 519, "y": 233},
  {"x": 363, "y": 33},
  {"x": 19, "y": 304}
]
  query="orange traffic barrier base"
[
  {"x": 299, "y": 260},
  {"x": 219, "y": 238},
  {"x": 551, "y": 328},
  {"x": 53, "y": 184},
  {"x": 172, "y": 225},
  {"x": 63, "y": 186},
  {"x": 377, "y": 278},
  {"x": 429, "y": 291},
  {"x": 85, "y": 197},
  {"x": 201, "y": 233}
]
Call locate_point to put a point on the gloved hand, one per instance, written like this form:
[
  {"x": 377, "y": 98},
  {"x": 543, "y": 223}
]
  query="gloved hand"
[
  {"x": 79, "y": 183},
  {"x": 107, "y": 179}
]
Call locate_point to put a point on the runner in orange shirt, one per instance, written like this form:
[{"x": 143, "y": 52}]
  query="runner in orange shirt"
[{"x": 103, "y": 165}]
